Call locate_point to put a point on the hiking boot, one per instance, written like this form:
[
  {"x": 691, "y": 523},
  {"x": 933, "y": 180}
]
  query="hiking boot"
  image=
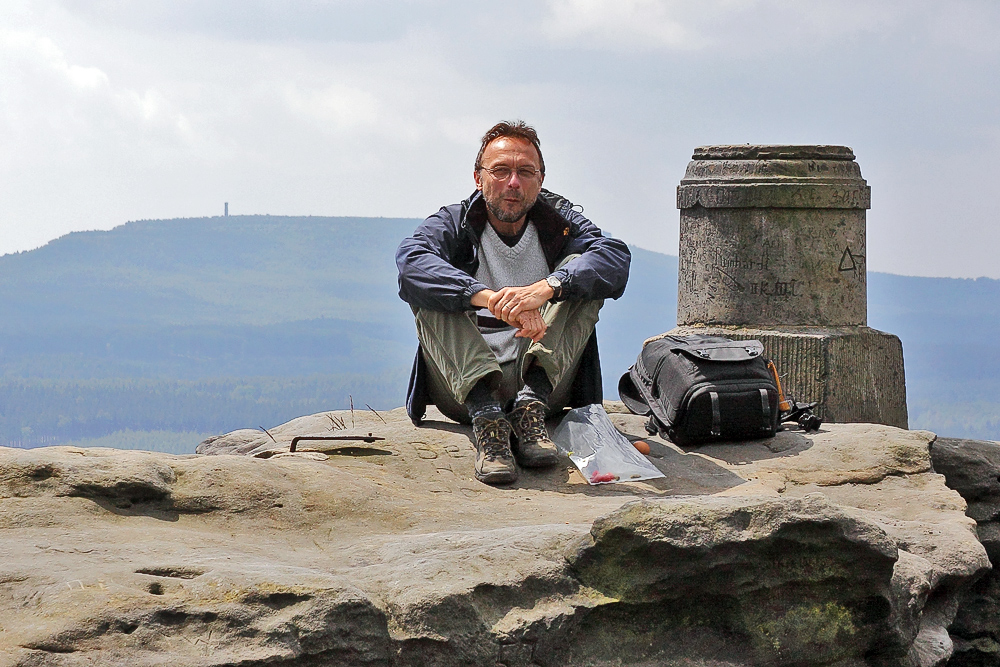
[
  {"x": 533, "y": 448},
  {"x": 494, "y": 462}
]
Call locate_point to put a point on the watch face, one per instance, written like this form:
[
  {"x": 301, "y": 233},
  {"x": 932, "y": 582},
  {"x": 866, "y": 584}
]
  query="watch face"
[{"x": 555, "y": 284}]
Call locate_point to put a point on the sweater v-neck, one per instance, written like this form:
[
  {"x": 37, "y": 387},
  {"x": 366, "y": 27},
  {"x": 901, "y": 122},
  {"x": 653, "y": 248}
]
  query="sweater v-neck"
[{"x": 511, "y": 241}]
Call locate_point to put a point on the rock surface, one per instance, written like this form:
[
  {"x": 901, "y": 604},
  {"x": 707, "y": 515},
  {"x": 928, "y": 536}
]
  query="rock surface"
[
  {"x": 836, "y": 547},
  {"x": 972, "y": 467}
]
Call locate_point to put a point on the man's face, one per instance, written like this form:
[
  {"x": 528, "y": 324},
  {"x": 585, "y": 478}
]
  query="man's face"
[{"x": 509, "y": 199}]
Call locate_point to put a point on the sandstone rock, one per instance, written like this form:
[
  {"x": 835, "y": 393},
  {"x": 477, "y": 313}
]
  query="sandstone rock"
[
  {"x": 976, "y": 627},
  {"x": 788, "y": 551},
  {"x": 798, "y": 580},
  {"x": 972, "y": 467}
]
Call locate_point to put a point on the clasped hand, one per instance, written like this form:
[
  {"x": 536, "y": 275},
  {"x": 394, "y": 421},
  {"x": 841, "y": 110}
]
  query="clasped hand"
[{"x": 519, "y": 306}]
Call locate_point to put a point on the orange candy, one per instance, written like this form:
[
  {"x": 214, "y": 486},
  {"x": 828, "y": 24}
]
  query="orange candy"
[{"x": 642, "y": 446}]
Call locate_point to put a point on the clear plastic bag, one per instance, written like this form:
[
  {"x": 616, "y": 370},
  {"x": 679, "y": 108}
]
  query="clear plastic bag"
[{"x": 596, "y": 447}]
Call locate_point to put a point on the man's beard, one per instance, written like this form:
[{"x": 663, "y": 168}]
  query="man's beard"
[{"x": 494, "y": 205}]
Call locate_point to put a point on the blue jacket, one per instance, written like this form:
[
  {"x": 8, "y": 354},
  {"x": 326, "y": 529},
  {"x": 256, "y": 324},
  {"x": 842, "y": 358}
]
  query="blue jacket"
[{"x": 438, "y": 263}]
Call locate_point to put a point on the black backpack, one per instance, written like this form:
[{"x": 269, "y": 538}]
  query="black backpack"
[{"x": 700, "y": 389}]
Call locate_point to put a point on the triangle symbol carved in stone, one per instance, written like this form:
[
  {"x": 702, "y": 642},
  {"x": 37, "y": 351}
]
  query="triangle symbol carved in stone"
[{"x": 847, "y": 262}]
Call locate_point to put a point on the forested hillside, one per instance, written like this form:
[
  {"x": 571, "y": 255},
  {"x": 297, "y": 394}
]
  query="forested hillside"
[
  {"x": 198, "y": 326},
  {"x": 947, "y": 326}
]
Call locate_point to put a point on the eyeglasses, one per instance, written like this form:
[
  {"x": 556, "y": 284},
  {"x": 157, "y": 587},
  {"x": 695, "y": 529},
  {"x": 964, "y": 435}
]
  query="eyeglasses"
[{"x": 503, "y": 173}]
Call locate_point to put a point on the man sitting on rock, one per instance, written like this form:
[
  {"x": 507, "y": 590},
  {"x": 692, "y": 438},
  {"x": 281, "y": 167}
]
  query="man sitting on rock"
[{"x": 506, "y": 289}]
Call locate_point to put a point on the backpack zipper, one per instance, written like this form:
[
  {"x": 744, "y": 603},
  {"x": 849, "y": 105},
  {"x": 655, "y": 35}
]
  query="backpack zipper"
[{"x": 702, "y": 387}]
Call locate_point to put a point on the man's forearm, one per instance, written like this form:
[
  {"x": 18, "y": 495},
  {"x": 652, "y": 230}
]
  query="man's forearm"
[
  {"x": 481, "y": 299},
  {"x": 508, "y": 303}
]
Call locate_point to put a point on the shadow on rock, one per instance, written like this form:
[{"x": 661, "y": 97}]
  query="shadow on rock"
[
  {"x": 690, "y": 474},
  {"x": 449, "y": 426},
  {"x": 156, "y": 510},
  {"x": 785, "y": 443},
  {"x": 685, "y": 474}
]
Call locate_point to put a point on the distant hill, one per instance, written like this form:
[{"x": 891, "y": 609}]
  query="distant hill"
[
  {"x": 200, "y": 325},
  {"x": 948, "y": 327},
  {"x": 203, "y": 325},
  {"x": 239, "y": 270}
]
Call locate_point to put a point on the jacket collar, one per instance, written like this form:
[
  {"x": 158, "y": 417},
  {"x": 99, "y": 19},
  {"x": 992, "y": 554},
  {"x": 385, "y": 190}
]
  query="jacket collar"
[{"x": 553, "y": 229}]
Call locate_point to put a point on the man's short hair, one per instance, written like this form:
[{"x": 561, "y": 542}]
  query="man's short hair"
[{"x": 518, "y": 129}]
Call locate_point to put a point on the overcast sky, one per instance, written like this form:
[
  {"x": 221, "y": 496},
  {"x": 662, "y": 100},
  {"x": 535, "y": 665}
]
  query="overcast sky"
[{"x": 117, "y": 110}]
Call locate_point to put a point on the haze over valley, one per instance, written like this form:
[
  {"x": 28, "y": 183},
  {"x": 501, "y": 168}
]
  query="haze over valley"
[{"x": 158, "y": 333}]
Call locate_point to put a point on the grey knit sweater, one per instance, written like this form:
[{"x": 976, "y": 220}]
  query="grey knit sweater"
[{"x": 503, "y": 266}]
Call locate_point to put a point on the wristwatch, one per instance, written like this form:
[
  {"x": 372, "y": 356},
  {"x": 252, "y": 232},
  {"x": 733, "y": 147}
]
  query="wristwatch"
[{"x": 556, "y": 286}]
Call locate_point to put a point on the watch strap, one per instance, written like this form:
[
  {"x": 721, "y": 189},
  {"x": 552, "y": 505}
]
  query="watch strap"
[{"x": 556, "y": 286}]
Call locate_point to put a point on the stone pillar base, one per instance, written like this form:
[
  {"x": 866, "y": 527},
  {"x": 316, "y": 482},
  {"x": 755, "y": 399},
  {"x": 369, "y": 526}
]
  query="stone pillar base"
[{"x": 854, "y": 373}]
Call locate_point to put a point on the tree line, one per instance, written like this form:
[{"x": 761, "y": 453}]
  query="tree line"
[{"x": 37, "y": 412}]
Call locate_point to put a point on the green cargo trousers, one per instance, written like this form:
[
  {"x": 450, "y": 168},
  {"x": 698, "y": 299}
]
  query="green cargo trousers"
[{"x": 458, "y": 356}]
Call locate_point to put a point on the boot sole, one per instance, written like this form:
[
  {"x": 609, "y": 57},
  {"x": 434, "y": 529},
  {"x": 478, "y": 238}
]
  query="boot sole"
[
  {"x": 496, "y": 477},
  {"x": 539, "y": 462}
]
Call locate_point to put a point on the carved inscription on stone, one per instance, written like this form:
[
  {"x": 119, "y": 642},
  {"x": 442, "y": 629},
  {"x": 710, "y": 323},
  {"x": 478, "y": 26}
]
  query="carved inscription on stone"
[
  {"x": 441, "y": 459},
  {"x": 772, "y": 266},
  {"x": 772, "y": 235},
  {"x": 777, "y": 289}
]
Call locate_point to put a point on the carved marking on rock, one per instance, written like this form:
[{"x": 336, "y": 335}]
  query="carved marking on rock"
[
  {"x": 784, "y": 288},
  {"x": 454, "y": 451},
  {"x": 204, "y": 645},
  {"x": 730, "y": 281},
  {"x": 849, "y": 260},
  {"x": 424, "y": 450},
  {"x": 444, "y": 467}
]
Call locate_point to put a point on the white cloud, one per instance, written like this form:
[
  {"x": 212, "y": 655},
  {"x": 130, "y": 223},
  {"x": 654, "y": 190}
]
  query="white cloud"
[
  {"x": 622, "y": 23},
  {"x": 113, "y": 111},
  {"x": 336, "y": 108},
  {"x": 25, "y": 51},
  {"x": 743, "y": 27},
  {"x": 45, "y": 94}
]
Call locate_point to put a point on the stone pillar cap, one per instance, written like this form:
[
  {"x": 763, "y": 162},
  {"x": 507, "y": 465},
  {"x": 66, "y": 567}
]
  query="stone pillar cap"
[
  {"x": 764, "y": 176},
  {"x": 772, "y": 152}
]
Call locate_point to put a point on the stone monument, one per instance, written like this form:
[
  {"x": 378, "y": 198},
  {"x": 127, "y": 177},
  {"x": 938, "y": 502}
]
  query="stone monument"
[{"x": 772, "y": 247}]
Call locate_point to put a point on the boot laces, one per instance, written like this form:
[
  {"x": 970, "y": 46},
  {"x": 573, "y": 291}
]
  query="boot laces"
[
  {"x": 531, "y": 422},
  {"x": 491, "y": 438}
]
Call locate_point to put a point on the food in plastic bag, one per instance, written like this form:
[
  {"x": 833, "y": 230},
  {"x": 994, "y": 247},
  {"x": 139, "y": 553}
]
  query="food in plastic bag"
[{"x": 596, "y": 447}]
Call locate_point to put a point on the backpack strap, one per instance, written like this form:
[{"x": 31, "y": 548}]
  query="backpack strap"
[
  {"x": 631, "y": 394},
  {"x": 765, "y": 408},
  {"x": 716, "y": 414}
]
